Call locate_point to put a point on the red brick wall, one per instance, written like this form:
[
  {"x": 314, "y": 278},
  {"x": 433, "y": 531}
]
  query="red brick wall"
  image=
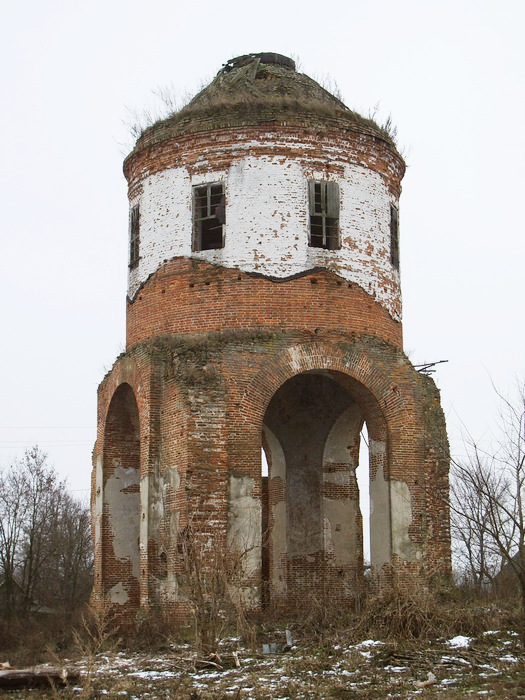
[
  {"x": 189, "y": 296},
  {"x": 208, "y": 347},
  {"x": 308, "y": 139}
]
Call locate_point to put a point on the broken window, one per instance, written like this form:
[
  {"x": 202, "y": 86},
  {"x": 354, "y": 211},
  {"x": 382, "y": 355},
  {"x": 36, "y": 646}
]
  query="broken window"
[
  {"x": 324, "y": 214},
  {"x": 134, "y": 239},
  {"x": 209, "y": 216},
  {"x": 394, "y": 236}
]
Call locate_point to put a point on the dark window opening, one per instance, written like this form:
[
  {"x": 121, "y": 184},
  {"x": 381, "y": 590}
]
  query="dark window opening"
[
  {"x": 394, "y": 236},
  {"x": 163, "y": 565},
  {"x": 324, "y": 214},
  {"x": 209, "y": 216},
  {"x": 134, "y": 238}
]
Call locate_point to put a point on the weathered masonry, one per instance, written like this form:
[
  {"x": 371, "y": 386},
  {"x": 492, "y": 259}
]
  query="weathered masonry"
[{"x": 264, "y": 316}]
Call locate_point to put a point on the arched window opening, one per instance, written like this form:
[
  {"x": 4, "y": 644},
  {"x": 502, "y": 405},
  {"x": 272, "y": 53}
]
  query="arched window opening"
[
  {"x": 321, "y": 478},
  {"x": 265, "y": 530},
  {"x": 121, "y": 499},
  {"x": 363, "y": 484}
]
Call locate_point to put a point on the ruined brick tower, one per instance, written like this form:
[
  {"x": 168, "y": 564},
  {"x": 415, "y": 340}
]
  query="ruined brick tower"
[{"x": 264, "y": 313}]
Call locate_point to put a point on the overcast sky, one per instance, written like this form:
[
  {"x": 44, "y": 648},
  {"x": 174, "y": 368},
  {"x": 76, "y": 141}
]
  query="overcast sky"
[{"x": 451, "y": 74}]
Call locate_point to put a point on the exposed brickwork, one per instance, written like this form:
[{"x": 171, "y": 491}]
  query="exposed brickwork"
[
  {"x": 208, "y": 432},
  {"x": 308, "y": 140},
  {"x": 188, "y": 296},
  {"x": 222, "y": 362},
  {"x": 269, "y": 234}
]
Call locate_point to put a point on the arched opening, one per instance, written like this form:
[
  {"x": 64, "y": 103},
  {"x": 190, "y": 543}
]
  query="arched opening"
[
  {"x": 311, "y": 504},
  {"x": 363, "y": 485},
  {"x": 121, "y": 499},
  {"x": 265, "y": 525}
]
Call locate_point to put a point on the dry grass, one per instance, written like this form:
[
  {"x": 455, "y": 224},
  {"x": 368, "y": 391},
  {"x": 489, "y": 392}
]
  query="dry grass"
[
  {"x": 419, "y": 613},
  {"x": 329, "y": 659}
]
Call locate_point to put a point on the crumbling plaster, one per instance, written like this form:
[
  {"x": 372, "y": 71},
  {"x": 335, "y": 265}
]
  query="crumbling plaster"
[
  {"x": 122, "y": 498},
  {"x": 267, "y": 224}
]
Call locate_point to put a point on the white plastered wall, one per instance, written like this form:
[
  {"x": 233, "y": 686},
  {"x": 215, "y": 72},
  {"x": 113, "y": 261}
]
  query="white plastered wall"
[
  {"x": 267, "y": 224},
  {"x": 124, "y": 510}
]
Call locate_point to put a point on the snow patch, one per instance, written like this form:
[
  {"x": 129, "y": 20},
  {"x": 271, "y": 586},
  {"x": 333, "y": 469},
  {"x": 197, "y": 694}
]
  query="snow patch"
[{"x": 459, "y": 642}]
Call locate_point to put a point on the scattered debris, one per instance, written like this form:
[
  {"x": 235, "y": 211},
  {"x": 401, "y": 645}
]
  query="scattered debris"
[
  {"x": 488, "y": 664},
  {"x": 431, "y": 680},
  {"x": 36, "y": 678}
]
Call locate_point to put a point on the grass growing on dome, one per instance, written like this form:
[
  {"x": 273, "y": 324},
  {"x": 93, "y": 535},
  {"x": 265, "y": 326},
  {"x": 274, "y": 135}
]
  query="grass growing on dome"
[{"x": 239, "y": 98}]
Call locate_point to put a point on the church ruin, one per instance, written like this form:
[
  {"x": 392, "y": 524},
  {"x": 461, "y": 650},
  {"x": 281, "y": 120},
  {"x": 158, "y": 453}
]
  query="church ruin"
[{"x": 264, "y": 317}]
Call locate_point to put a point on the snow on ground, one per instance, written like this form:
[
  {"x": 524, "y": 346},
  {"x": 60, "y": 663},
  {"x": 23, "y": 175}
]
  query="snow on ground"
[
  {"x": 489, "y": 665},
  {"x": 459, "y": 642}
]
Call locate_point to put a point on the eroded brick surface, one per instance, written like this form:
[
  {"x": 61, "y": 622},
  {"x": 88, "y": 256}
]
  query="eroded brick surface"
[{"x": 266, "y": 344}]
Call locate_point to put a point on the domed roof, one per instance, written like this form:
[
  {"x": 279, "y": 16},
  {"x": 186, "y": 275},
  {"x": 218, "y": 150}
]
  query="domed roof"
[
  {"x": 254, "y": 89},
  {"x": 263, "y": 78}
]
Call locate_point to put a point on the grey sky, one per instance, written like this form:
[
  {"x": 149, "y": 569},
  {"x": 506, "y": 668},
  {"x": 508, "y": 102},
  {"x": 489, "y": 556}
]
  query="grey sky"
[{"x": 450, "y": 73}]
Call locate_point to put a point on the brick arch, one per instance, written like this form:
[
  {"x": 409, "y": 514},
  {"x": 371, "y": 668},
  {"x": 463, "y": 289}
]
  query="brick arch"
[
  {"x": 121, "y": 431},
  {"x": 376, "y": 386},
  {"x": 120, "y": 499},
  {"x": 384, "y": 386}
]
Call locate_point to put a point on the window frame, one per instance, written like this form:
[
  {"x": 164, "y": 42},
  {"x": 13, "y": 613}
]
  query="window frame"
[
  {"x": 324, "y": 210},
  {"x": 210, "y": 211},
  {"x": 394, "y": 236},
  {"x": 134, "y": 236}
]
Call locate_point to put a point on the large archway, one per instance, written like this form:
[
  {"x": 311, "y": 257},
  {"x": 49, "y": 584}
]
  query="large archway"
[
  {"x": 121, "y": 500},
  {"x": 312, "y": 522}
]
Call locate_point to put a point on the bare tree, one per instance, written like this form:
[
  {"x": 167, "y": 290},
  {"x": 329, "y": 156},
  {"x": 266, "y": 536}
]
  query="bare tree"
[
  {"x": 487, "y": 500},
  {"x": 470, "y": 516},
  {"x": 42, "y": 495},
  {"x": 12, "y": 517},
  {"x": 45, "y": 548},
  {"x": 75, "y": 553}
]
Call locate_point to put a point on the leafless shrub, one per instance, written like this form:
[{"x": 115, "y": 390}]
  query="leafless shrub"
[
  {"x": 414, "y": 610},
  {"x": 212, "y": 578},
  {"x": 97, "y": 633},
  {"x": 98, "y": 630},
  {"x": 154, "y": 628}
]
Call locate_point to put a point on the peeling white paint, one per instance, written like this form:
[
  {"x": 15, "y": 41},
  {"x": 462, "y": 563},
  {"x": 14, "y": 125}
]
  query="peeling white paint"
[
  {"x": 244, "y": 522},
  {"x": 169, "y": 589},
  {"x": 295, "y": 355},
  {"x": 267, "y": 222},
  {"x": 340, "y": 531},
  {"x": 400, "y": 499},
  {"x": 390, "y": 514},
  {"x": 343, "y": 437},
  {"x": 380, "y": 528},
  {"x": 124, "y": 514},
  {"x": 152, "y": 499},
  {"x": 338, "y": 478},
  {"x": 278, "y": 532},
  {"x": 244, "y": 532},
  {"x": 118, "y": 594},
  {"x": 165, "y": 222}
]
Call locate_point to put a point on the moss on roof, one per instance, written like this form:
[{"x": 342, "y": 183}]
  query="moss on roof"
[{"x": 252, "y": 89}]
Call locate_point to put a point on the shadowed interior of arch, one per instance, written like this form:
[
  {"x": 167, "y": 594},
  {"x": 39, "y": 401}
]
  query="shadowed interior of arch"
[
  {"x": 121, "y": 499},
  {"x": 312, "y": 515}
]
